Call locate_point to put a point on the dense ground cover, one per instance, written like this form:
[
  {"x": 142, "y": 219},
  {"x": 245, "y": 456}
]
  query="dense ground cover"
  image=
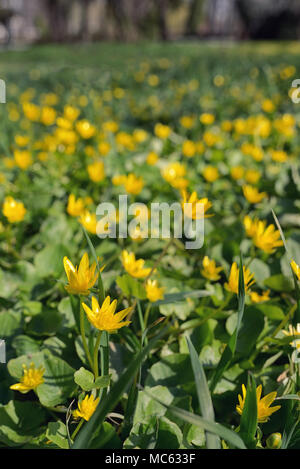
[{"x": 207, "y": 340}]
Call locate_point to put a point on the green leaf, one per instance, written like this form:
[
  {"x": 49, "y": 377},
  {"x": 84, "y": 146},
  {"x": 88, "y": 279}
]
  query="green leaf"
[
  {"x": 172, "y": 370},
  {"x": 131, "y": 287},
  {"x": 57, "y": 433},
  {"x": 280, "y": 283},
  {"x": 204, "y": 397},
  {"x": 85, "y": 379},
  {"x": 113, "y": 397},
  {"x": 158, "y": 433},
  {"x": 49, "y": 261},
  {"x": 20, "y": 422}
]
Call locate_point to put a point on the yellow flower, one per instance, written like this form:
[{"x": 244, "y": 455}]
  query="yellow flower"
[
  {"x": 268, "y": 105},
  {"x": 253, "y": 195},
  {"x": 31, "y": 111},
  {"x": 252, "y": 176},
  {"x": 31, "y": 379},
  {"x": 22, "y": 158},
  {"x": 154, "y": 292},
  {"x": 85, "y": 129},
  {"x": 22, "y": 140},
  {"x": 104, "y": 318},
  {"x": 187, "y": 121},
  {"x": 152, "y": 158},
  {"x": 140, "y": 135},
  {"x": 162, "y": 131},
  {"x": 267, "y": 239},
  {"x": 191, "y": 211},
  {"x": 14, "y": 211},
  {"x": 210, "y": 270},
  {"x": 96, "y": 171},
  {"x": 133, "y": 184},
  {"x": 210, "y": 173},
  {"x": 264, "y": 411},
  {"x": 110, "y": 126},
  {"x": 134, "y": 267},
  {"x": 174, "y": 174},
  {"x": 89, "y": 221},
  {"x": 71, "y": 113},
  {"x": 80, "y": 279},
  {"x": 251, "y": 225},
  {"x": 295, "y": 333},
  {"x": 75, "y": 207},
  {"x": 188, "y": 148},
  {"x": 86, "y": 407},
  {"x": 237, "y": 172},
  {"x": 118, "y": 180},
  {"x": 233, "y": 282},
  {"x": 48, "y": 115},
  {"x": 104, "y": 148},
  {"x": 296, "y": 269},
  {"x": 207, "y": 118},
  {"x": 257, "y": 298},
  {"x": 279, "y": 155}
]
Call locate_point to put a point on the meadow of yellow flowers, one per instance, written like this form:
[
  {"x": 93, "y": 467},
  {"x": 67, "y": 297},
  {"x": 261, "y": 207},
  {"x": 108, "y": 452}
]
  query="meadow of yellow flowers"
[{"x": 138, "y": 342}]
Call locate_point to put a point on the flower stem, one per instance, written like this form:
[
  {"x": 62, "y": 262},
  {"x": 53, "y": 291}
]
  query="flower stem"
[
  {"x": 96, "y": 351},
  {"x": 77, "y": 429},
  {"x": 104, "y": 361},
  {"x": 82, "y": 332}
]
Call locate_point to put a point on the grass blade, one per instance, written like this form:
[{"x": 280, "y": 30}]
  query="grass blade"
[
  {"x": 248, "y": 424},
  {"x": 204, "y": 397},
  {"x": 111, "y": 400}
]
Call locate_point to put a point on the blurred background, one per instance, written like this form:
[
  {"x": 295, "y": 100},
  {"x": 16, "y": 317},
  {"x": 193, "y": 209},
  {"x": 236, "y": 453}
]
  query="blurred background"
[{"x": 40, "y": 21}]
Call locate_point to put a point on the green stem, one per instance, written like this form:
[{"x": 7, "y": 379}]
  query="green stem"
[
  {"x": 104, "y": 361},
  {"x": 96, "y": 350},
  {"x": 82, "y": 332},
  {"x": 77, "y": 429},
  {"x": 147, "y": 312}
]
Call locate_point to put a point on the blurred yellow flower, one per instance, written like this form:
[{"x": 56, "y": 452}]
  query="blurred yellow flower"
[
  {"x": 104, "y": 148},
  {"x": 48, "y": 115},
  {"x": 210, "y": 270},
  {"x": 187, "y": 121},
  {"x": 22, "y": 140},
  {"x": 14, "y": 211},
  {"x": 253, "y": 195},
  {"x": 86, "y": 407},
  {"x": 191, "y": 211},
  {"x": 23, "y": 158},
  {"x": 210, "y": 173},
  {"x": 162, "y": 131},
  {"x": 233, "y": 281},
  {"x": 257, "y": 298},
  {"x": 31, "y": 379},
  {"x": 237, "y": 172},
  {"x": 174, "y": 174},
  {"x": 75, "y": 207},
  {"x": 207, "y": 118},
  {"x": 152, "y": 158},
  {"x": 268, "y": 105},
  {"x": 134, "y": 267},
  {"x": 85, "y": 129},
  {"x": 81, "y": 279},
  {"x": 89, "y": 221},
  {"x": 279, "y": 155},
  {"x": 153, "y": 291},
  {"x": 252, "y": 176},
  {"x": 104, "y": 318},
  {"x": 264, "y": 411},
  {"x": 296, "y": 269},
  {"x": 31, "y": 111},
  {"x": 96, "y": 171},
  {"x": 188, "y": 148},
  {"x": 133, "y": 184},
  {"x": 295, "y": 333}
]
